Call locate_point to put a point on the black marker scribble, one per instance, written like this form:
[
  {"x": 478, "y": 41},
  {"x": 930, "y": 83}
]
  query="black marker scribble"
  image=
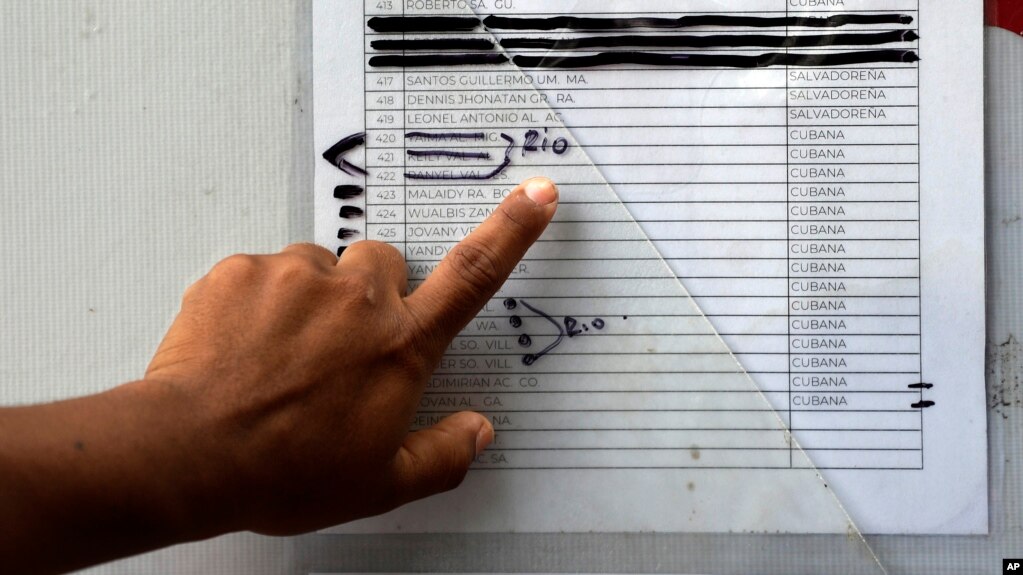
[
  {"x": 708, "y": 41},
  {"x": 717, "y": 60},
  {"x": 530, "y": 359},
  {"x": 348, "y": 192},
  {"x": 433, "y": 44},
  {"x": 922, "y": 405},
  {"x": 425, "y": 60},
  {"x": 654, "y": 59},
  {"x": 346, "y": 233},
  {"x": 921, "y": 386},
  {"x": 583, "y": 23},
  {"x": 453, "y": 154},
  {"x": 467, "y": 174},
  {"x": 422, "y": 24},
  {"x": 446, "y": 136},
  {"x": 335, "y": 155},
  {"x": 349, "y": 212},
  {"x": 570, "y": 329}
]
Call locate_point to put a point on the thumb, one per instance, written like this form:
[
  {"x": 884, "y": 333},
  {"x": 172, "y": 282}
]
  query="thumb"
[
  {"x": 479, "y": 265},
  {"x": 436, "y": 459}
]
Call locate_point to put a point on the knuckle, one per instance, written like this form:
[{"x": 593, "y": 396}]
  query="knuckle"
[
  {"x": 299, "y": 246},
  {"x": 293, "y": 270},
  {"x": 193, "y": 291},
  {"x": 478, "y": 267},
  {"x": 393, "y": 259},
  {"x": 234, "y": 268},
  {"x": 308, "y": 249},
  {"x": 382, "y": 249},
  {"x": 239, "y": 262},
  {"x": 386, "y": 256}
]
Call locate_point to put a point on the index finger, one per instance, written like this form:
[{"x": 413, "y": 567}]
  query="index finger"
[{"x": 479, "y": 265}]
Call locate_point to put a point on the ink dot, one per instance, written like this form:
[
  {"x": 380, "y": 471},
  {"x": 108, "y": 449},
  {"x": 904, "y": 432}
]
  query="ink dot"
[
  {"x": 525, "y": 340},
  {"x": 528, "y": 359},
  {"x": 515, "y": 321},
  {"x": 510, "y": 304},
  {"x": 586, "y": 327},
  {"x": 598, "y": 323},
  {"x": 625, "y": 317}
]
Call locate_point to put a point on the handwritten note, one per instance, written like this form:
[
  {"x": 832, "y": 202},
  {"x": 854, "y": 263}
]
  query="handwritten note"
[{"x": 771, "y": 220}]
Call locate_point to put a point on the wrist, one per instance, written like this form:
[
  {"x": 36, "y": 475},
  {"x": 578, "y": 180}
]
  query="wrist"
[
  {"x": 182, "y": 462},
  {"x": 110, "y": 475}
]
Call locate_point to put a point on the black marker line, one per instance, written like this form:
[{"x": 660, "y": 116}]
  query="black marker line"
[
  {"x": 921, "y": 386},
  {"x": 349, "y": 212},
  {"x": 433, "y": 44},
  {"x": 422, "y": 23},
  {"x": 422, "y": 61},
  {"x": 717, "y": 60},
  {"x": 448, "y": 154},
  {"x": 346, "y": 233},
  {"x": 341, "y": 250},
  {"x": 335, "y": 155},
  {"x": 717, "y": 40},
  {"x": 348, "y": 192},
  {"x": 549, "y": 348},
  {"x": 469, "y": 175},
  {"x": 922, "y": 405},
  {"x": 581, "y": 23},
  {"x": 446, "y": 136}
]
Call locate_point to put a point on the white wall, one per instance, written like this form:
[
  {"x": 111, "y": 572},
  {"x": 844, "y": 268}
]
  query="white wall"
[{"x": 141, "y": 141}]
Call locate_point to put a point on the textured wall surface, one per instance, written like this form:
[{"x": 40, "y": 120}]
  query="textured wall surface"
[{"x": 142, "y": 141}]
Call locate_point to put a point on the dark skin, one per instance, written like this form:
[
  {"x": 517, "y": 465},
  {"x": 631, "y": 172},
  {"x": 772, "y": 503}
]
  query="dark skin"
[{"x": 278, "y": 402}]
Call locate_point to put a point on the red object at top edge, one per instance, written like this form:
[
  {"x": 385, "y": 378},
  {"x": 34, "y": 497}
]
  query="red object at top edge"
[{"x": 1006, "y": 14}]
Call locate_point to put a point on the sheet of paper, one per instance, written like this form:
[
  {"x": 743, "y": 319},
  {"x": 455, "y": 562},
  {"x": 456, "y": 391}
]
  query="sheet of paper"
[{"x": 810, "y": 171}]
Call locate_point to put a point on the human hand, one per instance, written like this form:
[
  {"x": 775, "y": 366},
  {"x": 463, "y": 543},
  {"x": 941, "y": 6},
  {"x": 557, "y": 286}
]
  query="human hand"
[{"x": 303, "y": 373}]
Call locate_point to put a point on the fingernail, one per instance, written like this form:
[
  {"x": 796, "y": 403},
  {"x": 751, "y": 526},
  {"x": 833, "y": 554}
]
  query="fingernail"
[
  {"x": 542, "y": 191},
  {"x": 484, "y": 436}
]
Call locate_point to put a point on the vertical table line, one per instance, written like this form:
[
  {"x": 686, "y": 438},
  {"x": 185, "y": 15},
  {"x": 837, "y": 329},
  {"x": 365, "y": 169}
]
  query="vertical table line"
[
  {"x": 788, "y": 244},
  {"x": 365, "y": 129},
  {"x": 919, "y": 239},
  {"x": 404, "y": 150}
]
